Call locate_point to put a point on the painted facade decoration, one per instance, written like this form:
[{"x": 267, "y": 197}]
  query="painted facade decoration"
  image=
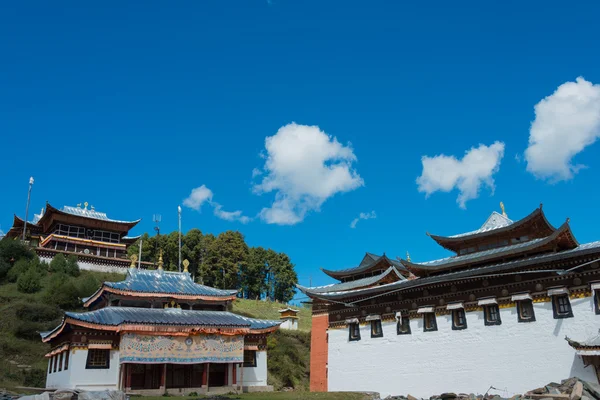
[
  {"x": 100, "y": 243},
  {"x": 499, "y": 309},
  {"x": 157, "y": 331}
]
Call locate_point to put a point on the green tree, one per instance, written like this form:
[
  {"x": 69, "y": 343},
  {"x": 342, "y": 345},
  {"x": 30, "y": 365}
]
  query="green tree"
[
  {"x": 12, "y": 250},
  {"x": 205, "y": 275},
  {"x": 18, "y": 269},
  {"x": 71, "y": 266},
  {"x": 254, "y": 273},
  {"x": 29, "y": 282},
  {"x": 284, "y": 278},
  {"x": 226, "y": 256},
  {"x": 58, "y": 264},
  {"x": 147, "y": 248},
  {"x": 193, "y": 249},
  {"x": 62, "y": 292}
]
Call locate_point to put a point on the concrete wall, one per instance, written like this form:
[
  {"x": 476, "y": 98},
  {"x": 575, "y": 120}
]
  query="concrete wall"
[
  {"x": 77, "y": 376},
  {"x": 290, "y": 324},
  {"x": 513, "y": 357},
  {"x": 255, "y": 376}
]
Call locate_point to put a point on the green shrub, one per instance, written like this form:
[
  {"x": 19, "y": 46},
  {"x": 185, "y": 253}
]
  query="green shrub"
[
  {"x": 28, "y": 330},
  {"x": 4, "y": 268},
  {"x": 88, "y": 285},
  {"x": 13, "y": 250},
  {"x": 62, "y": 292},
  {"x": 29, "y": 282},
  {"x": 18, "y": 269},
  {"x": 34, "y": 378},
  {"x": 71, "y": 266},
  {"x": 37, "y": 312},
  {"x": 58, "y": 264}
]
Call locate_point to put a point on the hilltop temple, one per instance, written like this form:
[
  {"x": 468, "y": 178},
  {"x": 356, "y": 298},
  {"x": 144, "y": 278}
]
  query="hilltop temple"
[
  {"x": 158, "y": 332},
  {"x": 100, "y": 243},
  {"x": 494, "y": 314}
]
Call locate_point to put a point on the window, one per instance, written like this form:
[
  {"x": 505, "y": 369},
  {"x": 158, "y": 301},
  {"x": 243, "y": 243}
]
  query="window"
[
  {"x": 459, "y": 320},
  {"x": 98, "y": 359},
  {"x": 429, "y": 322},
  {"x": 249, "y": 358},
  {"x": 54, "y": 369},
  {"x": 561, "y": 306},
  {"x": 60, "y": 362},
  {"x": 67, "y": 360},
  {"x": 525, "y": 311},
  {"x": 597, "y": 301},
  {"x": 354, "y": 331},
  {"x": 50, "y": 360},
  {"x": 492, "y": 314},
  {"x": 376, "y": 330},
  {"x": 403, "y": 327}
]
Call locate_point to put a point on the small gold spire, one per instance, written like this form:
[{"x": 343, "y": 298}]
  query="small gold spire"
[
  {"x": 85, "y": 204},
  {"x": 133, "y": 259},
  {"x": 160, "y": 259},
  {"x": 503, "y": 210},
  {"x": 407, "y": 257},
  {"x": 186, "y": 264}
]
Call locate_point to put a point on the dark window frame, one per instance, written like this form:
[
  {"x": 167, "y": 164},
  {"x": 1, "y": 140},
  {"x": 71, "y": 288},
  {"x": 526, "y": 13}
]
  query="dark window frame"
[
  {"x": 354, "y": 327},
  {"x": 90, "y": 354},
  {"x": 252, "y": 362},
  {"x": 597, "y": 301},
  {"x": 376, "y": 325},
  {"x": 433, "y": 321},
  {"x": 525, "y": 305},
  {"x": 403, "y": 325},
  {"x": 487, "y": 312},
  {"x": 61, "y": 359},
  {"x": 67, "y": 360},
  {"x": 458, "y": 315},
  {"x": 561, "y": 306}
]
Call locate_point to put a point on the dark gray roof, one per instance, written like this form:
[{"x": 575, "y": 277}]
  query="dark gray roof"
[
  {"x": 165, "y": 282},
  {"x": 584, "y": 249},
  {"x": 493, "y": 222},
  {"x": 115, "y": 316},
  {"x": 340, "y": 287},
  {"x": 90, "y": 213},
  {"x": 367, "y": 262}
]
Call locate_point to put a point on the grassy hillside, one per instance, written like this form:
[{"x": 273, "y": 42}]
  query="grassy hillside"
[{"x": 23, "y": 315}]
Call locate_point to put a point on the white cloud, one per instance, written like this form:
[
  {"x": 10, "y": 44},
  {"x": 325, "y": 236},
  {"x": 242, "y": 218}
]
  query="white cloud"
[
  {"x": 256, "y": 172},
  {"x": 565, "y": 123},
  {"x": 304, "y": 167},
  {"x": 202, "y": 194},
  {"x": 445, "y": 173},
  {"x": 369, "y": 215},
  {"x": 230, "y": 215},
  {"x": 199, "y": 196}
]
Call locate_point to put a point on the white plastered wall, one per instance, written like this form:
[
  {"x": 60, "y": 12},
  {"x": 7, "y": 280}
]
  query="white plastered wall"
[
  {"x": 513, "y": 357},
  {"x": 84, "y": 265},
  {"x": 78, "y": 377},
  {"x": 254, "y": 376},
  {"x": 289, "y": 323}
]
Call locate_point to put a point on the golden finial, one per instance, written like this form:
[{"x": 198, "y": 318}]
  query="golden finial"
[
  {"x": 85, "y": 204},
  {"x": 160, "y": 259},
  {"x": 133, "y": 259},
  {"x": 407, "y": 257},
  {"x": 186, "y": 264},
  {"x": 503, "y": 210}
]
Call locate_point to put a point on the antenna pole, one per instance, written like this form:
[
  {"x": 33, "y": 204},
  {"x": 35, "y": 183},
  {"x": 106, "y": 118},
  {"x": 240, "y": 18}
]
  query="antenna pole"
[
  {"x": 27, "y": 207},
  {"x": 140, "y": 254},
  {"x": 179, "y": 214}
]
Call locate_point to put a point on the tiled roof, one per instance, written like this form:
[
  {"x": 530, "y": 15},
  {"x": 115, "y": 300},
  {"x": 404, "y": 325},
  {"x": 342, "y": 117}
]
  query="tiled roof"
[
  {"x": 115, "y": 316},
  {"x": 139, "y": 280},
  {"x": 367, "y": 262},
  {"x": 494, "y": 221},
  {"x": 583, "y": 249},
  {"x": 89, "y": 213},
  {"x": 340, "y": 287}
]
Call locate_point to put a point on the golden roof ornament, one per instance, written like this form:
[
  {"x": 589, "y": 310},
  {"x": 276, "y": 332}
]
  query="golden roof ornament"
[
  {"x": 407, "y": 257},
  {"x": 85, "y": 205},
  {"x": 160, "y": 259},
  {"x": 186, "y": 264},
  {"x": 133, "y": 259},
  {"x": 503, "y": 210}
]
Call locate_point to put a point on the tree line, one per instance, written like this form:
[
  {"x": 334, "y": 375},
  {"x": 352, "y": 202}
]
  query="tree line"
[{"x": 224, "y": 261}]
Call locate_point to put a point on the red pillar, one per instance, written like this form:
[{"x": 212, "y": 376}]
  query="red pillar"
[
  {"x": 319, "y": 353},
  {"x": 204, "y": 375},
  {"x": 163, "y": 378},
  {"x": 226, "y": 383},
  {"x": 128, "y": 377},
  {"x": 234, "y": 375}
]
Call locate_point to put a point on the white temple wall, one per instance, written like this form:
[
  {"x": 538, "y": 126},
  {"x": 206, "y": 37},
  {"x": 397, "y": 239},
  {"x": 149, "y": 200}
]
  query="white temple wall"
[
  {"x": 513, "y": 357},
  {"x": 255, "y": 376},
  {"x": 290, "y": 324},
  {"x": 77, "y": 376},
  {"x": 59, "y": 379},
  {"x": 88, "y": 266}
]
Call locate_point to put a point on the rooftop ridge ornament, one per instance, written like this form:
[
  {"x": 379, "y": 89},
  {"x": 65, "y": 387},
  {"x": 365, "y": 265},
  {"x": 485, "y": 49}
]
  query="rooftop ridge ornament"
[
  {"x": 407, "y": 257},
  {"x": 160, "y": 260},
  {"x": 503, "y": 210},
  {"x": 186, "y": 264},
  {"x": 133, "y": 259}
]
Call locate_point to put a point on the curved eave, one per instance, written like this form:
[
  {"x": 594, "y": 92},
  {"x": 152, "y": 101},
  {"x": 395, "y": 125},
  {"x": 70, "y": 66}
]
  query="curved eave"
[
  {"x": 51, "y": 209},
  {"x": 90, "y": 300},
  {"x": 454, "y": 243},
  {"x": 563, "y": 237},
  {"x": 357, "y": 270},
  {"x": 360, "y": 283}
]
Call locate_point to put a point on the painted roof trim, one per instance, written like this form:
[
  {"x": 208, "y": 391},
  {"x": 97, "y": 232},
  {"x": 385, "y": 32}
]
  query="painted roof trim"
[
  {"x": 452, "y": 242},
  {"x": 424, "y": 269}
]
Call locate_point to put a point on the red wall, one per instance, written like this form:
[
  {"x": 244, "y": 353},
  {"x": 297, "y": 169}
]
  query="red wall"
[{"x": 318, "y": 353}]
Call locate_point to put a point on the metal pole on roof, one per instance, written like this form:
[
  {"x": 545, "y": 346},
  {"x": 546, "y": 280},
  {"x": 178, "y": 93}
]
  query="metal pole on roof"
[
  {"x": 140, "y": 254},
  {"x": 179, "y": 213},
  {"x": 27, "y": 207}
]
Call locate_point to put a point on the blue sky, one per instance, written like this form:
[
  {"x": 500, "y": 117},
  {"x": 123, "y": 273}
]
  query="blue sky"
[{"x": 132, "y": 105}]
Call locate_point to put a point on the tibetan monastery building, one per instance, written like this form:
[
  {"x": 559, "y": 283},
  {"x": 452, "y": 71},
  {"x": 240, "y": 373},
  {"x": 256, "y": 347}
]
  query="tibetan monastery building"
[
  {"x": 496, "y": 313},
  {"x": 159, "y": 331},
  {"x": 100, "y": 243}
]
